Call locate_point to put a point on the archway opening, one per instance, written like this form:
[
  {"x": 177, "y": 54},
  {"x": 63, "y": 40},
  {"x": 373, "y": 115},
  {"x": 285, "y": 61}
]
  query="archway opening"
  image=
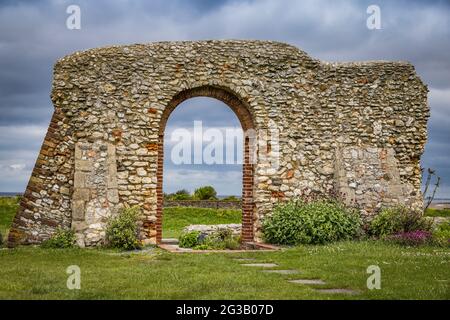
[{"x": 204, "y": 141}]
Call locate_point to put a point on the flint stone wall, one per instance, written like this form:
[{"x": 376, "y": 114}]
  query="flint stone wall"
[{"x": 356, "y": 128}]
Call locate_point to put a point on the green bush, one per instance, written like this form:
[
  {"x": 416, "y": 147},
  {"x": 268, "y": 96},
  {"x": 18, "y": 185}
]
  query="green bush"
[
  {"x": 219, "y": 240},
  {"x": 189, "y": 239},
  {"x": 182, "y": 194},
  {"x": 122, "y": 231},
  {"x": 441, "y": 235},
  {"x": 318, "y": 222},
  {"x": 233, "y": 243},
  {"x": 231, "y": 198},
  {"x": 398, "y": 220},
  {"x": 205, "y": 193},
  {"x": 60, "y": 239}
]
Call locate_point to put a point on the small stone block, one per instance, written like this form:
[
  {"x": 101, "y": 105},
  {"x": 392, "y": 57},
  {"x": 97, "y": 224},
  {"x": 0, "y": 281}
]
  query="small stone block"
[
  {"x": 79, "y": 179},
  {"x": 83, "y": 165},
  {"x": 307, "y": 281},
  {"x": 262, "y": 265},
  {"x": 282, "y": 271},
  {"x": 78, "y": 210},
  {"x": 338, "y": 290}
]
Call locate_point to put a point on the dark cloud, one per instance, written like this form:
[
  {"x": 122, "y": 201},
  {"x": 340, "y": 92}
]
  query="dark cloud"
[{"x": 33, "y": 36}]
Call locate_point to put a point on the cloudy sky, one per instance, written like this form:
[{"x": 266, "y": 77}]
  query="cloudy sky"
[{"x": 33, "y": 35}]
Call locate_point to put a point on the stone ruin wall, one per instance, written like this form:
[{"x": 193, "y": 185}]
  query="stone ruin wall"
[{"x": 357, "y": 128}]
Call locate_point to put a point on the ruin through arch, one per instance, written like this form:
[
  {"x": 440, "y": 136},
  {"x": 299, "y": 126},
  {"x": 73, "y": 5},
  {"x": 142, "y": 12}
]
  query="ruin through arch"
[{"x": 357, "y": 129}]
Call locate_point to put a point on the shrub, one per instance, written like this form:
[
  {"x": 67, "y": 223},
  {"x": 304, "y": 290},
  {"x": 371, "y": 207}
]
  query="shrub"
[
  {"x": 233, "y": 243},
  {"x": 182, "y": 194},
  {"x": 318, "y": 222},
  {"x": 411, "y": 238},
  {"x": 219, "y": 240},
  {"x": 441, "y": 235},
  {"x": 1, "y": 239},
  {"x": 205, "y": 193},
  {"x": 398, "y": 220},
  {"x": 60, "y": 239},
  {"x": 122, "y": 231},
  {"x": 189, "y": 239},
  {"x": 231, "y": 198}
]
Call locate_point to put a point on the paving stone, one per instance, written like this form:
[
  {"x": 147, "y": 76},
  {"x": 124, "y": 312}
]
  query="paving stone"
[
  {"x": 338, "y": 290},
  {"x": 307, "y": 281},
  {"x": 262, "y": 265},
  {"x": 282, "y": 271},
  {"x": 170, "y": 241}
]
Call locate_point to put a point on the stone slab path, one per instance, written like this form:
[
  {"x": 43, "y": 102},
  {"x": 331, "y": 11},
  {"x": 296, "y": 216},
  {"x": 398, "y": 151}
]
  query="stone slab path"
[
  {"x": 296, "y": 281},
  {"x": 338, "y": 290},
  {"x": 307, "y": 281},
  {"x": 282, "y": 271},
  {"x": 261, "y": 265}
]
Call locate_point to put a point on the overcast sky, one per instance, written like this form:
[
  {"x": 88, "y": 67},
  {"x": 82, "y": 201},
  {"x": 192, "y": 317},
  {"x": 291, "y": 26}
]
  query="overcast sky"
[{"x": 33, "y": 35}]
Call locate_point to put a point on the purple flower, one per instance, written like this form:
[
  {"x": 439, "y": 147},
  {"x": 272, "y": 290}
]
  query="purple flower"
[{"x": 412, "y": 238}]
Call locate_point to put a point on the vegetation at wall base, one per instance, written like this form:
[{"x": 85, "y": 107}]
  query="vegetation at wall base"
[
  {"x": 219, "y": 240},
  {"x": 189, "y": 239},
  {"x": 398, "y": 219},
  {"x": 122, "y": 231},
  {"x": 61, "y": 239},
  {"x": 317, "y": 222}
]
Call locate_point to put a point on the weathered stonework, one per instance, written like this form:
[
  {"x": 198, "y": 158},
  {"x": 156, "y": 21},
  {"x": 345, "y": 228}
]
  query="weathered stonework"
[
  {"x": 95, "y": 195},
  {"x": 357, "y": 128}
]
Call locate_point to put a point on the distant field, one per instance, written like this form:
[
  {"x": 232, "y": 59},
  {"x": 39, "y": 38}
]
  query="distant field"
[
  {"x": 175, "y": 219},
  {"x": 8, "y": 208},
  {"x": 437, "y": 212}
]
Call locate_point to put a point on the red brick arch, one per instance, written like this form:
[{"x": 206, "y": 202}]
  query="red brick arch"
[{"x": 241, "y": 110}]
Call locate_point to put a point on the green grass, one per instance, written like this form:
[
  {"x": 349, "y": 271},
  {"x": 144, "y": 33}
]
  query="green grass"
[
  {"x": 8, "y": 208},
  {"x": 437, "y": 212},
  {"x": 38, "y": 273},
  {"x": 406, "y": 273},
  {"x": 175, "y": 219}
]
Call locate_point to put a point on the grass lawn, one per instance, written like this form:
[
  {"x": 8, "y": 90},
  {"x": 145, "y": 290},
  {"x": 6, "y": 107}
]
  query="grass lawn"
[
  {"x": 406, "y": 273},
  {"x": 8, "y": 208},
  {"x": 175, "y": 219},
  {"x": 437, "y": 212}
]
